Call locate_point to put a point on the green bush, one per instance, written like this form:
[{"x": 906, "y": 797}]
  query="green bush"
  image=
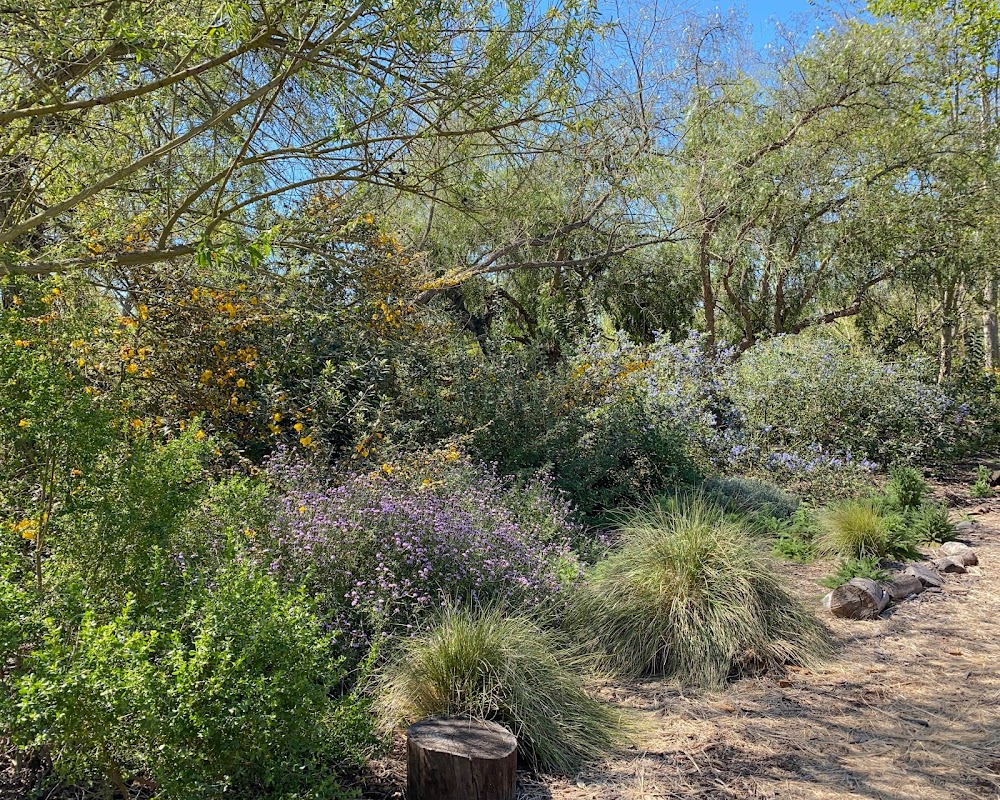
[
  {"x": 597, "y": 444},
  {"x": 981, "y": 488},
  {"x": 930, "y": 523},
  {"x": 906, "y": 488},
  {"x": 690, "y": 595},
  {"x": 507, "y": 669},
  {"x": 796, "y": 537},
  {"x": 124, "y": 529},
  {"x": 750, "y": 496},
  {"x": 867, "y": 567},
  {"x": 795, "y": 392},
  {"x": 237, "y": 694},
  {"x": 859, "y": 528}
]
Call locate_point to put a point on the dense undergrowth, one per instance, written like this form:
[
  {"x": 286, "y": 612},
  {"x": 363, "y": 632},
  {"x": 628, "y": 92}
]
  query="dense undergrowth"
[{"x": 220, "y": 609}]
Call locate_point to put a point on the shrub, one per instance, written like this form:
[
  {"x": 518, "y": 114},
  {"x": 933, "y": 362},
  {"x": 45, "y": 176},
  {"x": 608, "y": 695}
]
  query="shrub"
[
  {"x": 237, "y": 695},
  {"x": 690, "y": 595},
  {"x": 487, "y": 665},
  {"x": 930, "y": 523},
  {"x": 982, "y": 488},
  {"x": 796, "y": 537},
  {"x": 794, "y": 392},
  {"x": 750, "y": 496},
  {"x": 860, "y": 528},
  {"x": 867, "y": 567},
  {"x": 906, "y": 488},
  {"x": 581, "y": 423},
  {"x": 385, "y": 549}
]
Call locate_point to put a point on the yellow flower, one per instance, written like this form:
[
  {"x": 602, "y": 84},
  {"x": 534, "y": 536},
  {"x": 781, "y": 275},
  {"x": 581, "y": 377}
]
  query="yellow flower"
[
  {"x": 143, "y": 311},
  {"x": 56, "y": 292},
  {"x": 302, "y": 509},
  {"x": 137, "y": 423},
  {"x": 131, "y": 369},
  {"x": 199, "y": 435},
  {"x": 275, "y": 429},
  {"x": 206, "y": 376},
  {"x": 23, "y": 423},
  {"x": 306, "y": 441},
  {"x": 81, "y": 362},
  {"x": 387, "y": 469},
  {"x": 276, "y": 417},
  {"x": 241, "y": 383},
  {"x": 298, "y": 427},
  {"x": 28, "y": 528}
]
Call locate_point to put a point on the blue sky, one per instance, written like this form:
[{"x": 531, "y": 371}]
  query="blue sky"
[{"x": 763, "y": 14}]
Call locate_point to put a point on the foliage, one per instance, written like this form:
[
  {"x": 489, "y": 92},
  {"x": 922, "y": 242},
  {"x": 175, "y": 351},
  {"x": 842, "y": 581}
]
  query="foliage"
[
  {"x": 490, "y": 665},
  {"x": 860, "y": 528},
  {"x": 930, "y": 523},
  {"x": 797, "y": 392},
  {"x": 689, "y": 595},
  {"x": 906, "y": 488},
  {"x": 751, "y": 496},
  {"x": 982, "y": 488},
  {"x": 866, "y": 567},
  {"x": 237, "y": 693},
  {"x": 796, "y": 538},
  {"x": 593, "y": 440},
  {"x": 385, "y": 548}
]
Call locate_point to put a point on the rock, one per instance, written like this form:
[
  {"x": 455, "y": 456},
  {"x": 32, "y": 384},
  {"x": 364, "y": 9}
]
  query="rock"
[
  {"x": 965, "y": 526},
  {"x": 826, "y": 601},
  {"x": 949, "y": 565},
  {"x": 874, "y": 589},
  {"x": 904, "y": 585},
  {"x": 927, "y": 576},
  {"x": 995, "y": 477},
  {"x": 852, "y": 601},
  {"x": 960, "y": 552}
]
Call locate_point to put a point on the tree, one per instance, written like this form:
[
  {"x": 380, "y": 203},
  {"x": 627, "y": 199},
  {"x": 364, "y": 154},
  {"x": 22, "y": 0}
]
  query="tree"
[{"x": 133, "y": 134}]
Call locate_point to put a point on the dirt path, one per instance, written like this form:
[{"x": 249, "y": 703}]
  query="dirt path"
[{"x": 908, "y": 708}]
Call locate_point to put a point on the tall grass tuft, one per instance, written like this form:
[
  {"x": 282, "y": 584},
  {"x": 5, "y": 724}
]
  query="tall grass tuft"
[
  {"x": 690, "y": 595},
  {"x": 486, "y": 665},
  {"x": 857, "y": 529}
]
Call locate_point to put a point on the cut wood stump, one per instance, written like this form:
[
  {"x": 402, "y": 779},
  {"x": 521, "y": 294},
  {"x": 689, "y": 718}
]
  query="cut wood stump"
[
  {"x": 452, "y": 758},
  {"x": 860, "y": 598}
]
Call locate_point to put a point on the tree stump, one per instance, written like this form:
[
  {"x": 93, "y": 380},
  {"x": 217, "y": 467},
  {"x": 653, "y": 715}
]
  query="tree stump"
[
  {"x": 451, "y": 758},
  {"x": 860, "y": 598}
]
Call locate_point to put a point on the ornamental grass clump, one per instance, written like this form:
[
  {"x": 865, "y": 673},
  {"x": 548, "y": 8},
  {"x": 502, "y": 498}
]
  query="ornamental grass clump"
[
  {"x": 486, "y": 665},
  {"x": 691, "y": 596},
  {"x": 856, "y": 529}
]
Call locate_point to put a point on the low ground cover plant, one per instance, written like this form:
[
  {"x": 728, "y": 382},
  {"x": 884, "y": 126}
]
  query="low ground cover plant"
[
  {"x": 867, "y": 567},
  {"x": 690, "y": 595},
  {"x": 492, "y": 665}
]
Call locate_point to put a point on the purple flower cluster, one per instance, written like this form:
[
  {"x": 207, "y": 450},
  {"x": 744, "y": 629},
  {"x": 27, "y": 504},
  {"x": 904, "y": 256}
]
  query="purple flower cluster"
[{"x": 384, "y": 550}]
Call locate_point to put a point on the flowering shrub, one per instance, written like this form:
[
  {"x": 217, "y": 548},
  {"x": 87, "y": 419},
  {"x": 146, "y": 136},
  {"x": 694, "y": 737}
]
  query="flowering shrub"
[
  {"x": 386, "y": 547},
  {"x": 818, "y": 401}
]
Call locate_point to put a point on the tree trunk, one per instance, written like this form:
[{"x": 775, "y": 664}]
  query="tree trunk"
[
  {"x": 947, "y": 337},
  {"x": 991, "y": 335},
  {"x": 451, "y": 758}
]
